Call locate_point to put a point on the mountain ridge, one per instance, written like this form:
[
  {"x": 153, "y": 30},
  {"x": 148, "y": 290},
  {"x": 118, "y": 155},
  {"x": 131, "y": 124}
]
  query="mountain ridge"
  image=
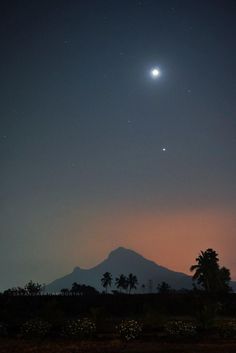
[{"x": 123, "y": 260}]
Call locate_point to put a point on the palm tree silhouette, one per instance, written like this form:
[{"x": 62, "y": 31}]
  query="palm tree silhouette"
[
  {"x": 208, "y": 273},
  {"x": 121, "y": 282},
  {"x": 132, "y": 282},
  {"x": 106, "y": 280}
]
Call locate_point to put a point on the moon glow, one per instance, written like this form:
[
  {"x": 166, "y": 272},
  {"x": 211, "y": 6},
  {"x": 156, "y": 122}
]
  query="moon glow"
[{"x": 155, "y": 72}]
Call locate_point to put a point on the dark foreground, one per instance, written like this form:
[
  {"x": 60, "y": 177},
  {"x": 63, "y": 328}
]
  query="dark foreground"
[{"x": 112, "y": 346}]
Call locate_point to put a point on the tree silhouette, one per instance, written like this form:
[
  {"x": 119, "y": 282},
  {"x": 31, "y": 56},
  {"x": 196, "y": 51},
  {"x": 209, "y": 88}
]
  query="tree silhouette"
[
  {"x": 224, "y": 279},
  {"x": 163, "y": 288},
  {"x": 75, "y": 289},
  {"x": 33, "y": 288},
  {"x": 65, "y": 291},
  {"x": 208, "y": 273},
  {"x": 80, "y": 289},
  {"x": 143, "y": 288},
  {"x": 121, "y": 282},
  {"x": 21, "y": 291},
  {"x": 106, "y": 280},
  {"x": 87, "y": 290},
  {"x": 16, "y": 291},
  {"x": 132, "y": 282}
]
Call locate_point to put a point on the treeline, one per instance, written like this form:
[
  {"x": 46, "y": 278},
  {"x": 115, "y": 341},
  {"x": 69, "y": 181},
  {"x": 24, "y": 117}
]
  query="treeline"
[{"x": 208, "y": 276}]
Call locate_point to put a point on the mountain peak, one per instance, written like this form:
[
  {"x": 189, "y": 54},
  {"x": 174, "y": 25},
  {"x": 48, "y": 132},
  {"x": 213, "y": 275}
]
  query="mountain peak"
[
  {"x": 123, "y": 261},
  {"x": 121, "y": 251},
  {"x": 76, "y": 268}
]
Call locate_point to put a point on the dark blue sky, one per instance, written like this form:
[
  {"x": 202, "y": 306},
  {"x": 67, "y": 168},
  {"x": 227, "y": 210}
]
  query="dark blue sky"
[{"x": 83, "y": 124}]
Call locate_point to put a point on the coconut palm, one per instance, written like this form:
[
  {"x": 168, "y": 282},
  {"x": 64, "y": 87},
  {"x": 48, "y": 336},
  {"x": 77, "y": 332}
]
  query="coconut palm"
[
  {"x": 132, "y": 282},
  {"x": 106, "y": 280},
  {"x": 208, "y": 273},
  {"x": 121, "y": 282}
]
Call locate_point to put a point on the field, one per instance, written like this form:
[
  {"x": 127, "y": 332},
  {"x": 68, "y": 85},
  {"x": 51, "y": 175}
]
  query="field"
[
  {"x": 112, "y": 346},
  {"x": 174, "y": 323}
]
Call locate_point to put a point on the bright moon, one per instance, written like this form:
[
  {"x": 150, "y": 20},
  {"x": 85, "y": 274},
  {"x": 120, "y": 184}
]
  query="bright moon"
[{"x": 155, "y": 73}]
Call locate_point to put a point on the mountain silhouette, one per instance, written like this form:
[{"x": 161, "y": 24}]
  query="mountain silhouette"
[{"x": 124, "y": 261}]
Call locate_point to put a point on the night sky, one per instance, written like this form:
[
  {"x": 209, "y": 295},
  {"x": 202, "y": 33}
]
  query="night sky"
[{"x": 96, "y": 153}]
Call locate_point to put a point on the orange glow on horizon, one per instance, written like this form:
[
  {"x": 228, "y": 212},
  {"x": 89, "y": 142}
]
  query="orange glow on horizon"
[{"x": 171, "y": 239}]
